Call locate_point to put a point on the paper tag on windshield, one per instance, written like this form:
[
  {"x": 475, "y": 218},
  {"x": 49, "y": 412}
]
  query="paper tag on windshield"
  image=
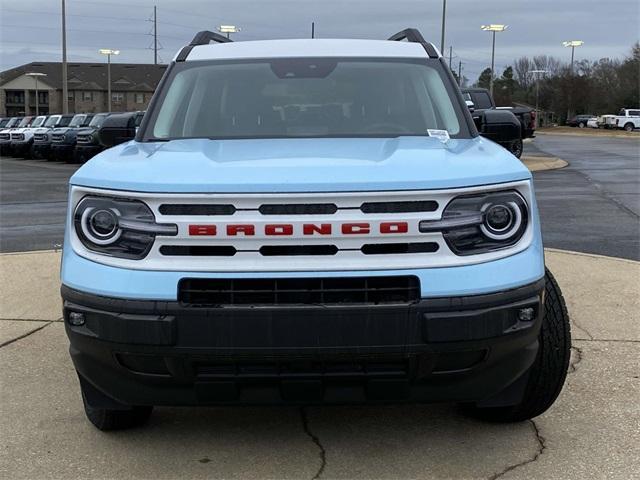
[{"x": 441, "y": 135}]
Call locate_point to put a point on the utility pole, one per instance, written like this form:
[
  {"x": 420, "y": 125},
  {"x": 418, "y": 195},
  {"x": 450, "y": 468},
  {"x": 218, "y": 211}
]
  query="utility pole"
[
  {"x": 65, "y": 95},
  {"x": 537, "y": 74},
  {"x": 450, "y": 56},
  {"x": 444, "y": 14},
  {"x": 155, "y": 36},
  {"x": 313, "y": 29}
]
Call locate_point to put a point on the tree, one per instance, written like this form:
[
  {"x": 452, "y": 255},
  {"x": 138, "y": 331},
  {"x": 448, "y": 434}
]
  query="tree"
[
  {"x": 504, "y": 88},
  {"x": 484, "y": 80}
]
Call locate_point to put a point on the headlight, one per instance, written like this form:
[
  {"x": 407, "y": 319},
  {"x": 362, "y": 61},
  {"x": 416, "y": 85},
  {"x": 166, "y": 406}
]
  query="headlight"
[
  {"x": 480, "y": 223},
  {"x": 118, "y": 227}
]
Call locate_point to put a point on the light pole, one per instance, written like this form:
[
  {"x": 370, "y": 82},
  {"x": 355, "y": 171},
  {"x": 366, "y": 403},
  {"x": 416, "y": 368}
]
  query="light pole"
[
  {"x": 108, "y": 52},
  {"x": 65, "y": 97},
  {"x": 35, "y": 76},
  {"x": 573, "y": 44},
  {"x": 228, "y": 29},
  {"x": 493, "y": 28},
  {"x": 537, "y": 74},
  {"x": 444, "y": 14}
]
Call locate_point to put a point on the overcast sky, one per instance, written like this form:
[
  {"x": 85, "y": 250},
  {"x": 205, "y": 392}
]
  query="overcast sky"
[{"x": 30, "y": 29}]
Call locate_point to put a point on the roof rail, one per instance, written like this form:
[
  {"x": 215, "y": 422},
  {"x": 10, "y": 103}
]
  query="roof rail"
[
  {"x": 413, "y": 35},
  {"x": 202, "y": 38}
]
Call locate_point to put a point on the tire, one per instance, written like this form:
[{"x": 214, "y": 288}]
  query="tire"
[
  {"x": 549, "y": 370},
  {"x": 581, "y": 125},
  {"x": 106, "y": 419},
  {"x": 516, "y": 148},
  {"x": 629, "y": 127}
]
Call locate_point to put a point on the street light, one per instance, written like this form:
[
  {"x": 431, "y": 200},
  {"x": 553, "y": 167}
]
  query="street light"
[
  {"x": 537, "y": 74},
  {"x": 228, "y": 29},
  {"x": 35, "y": 76},
  {"x": 108, "y": 52},
  {"x": 493, "y": 28},
  {"x": 573, "y": 44}
]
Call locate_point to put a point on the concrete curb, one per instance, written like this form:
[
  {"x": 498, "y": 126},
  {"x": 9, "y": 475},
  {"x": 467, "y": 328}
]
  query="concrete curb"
[
  {"x": 540, "y": 163},
  {"x": 590, "y": 133}
]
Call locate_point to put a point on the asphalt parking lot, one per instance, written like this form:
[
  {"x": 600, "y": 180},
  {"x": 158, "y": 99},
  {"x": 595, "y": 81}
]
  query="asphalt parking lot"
[
  {"x": 591, "y": 206},
  {"x": 593, "y": 430}
]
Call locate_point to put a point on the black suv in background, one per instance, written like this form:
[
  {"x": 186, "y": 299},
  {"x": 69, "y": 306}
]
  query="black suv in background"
[
  {"x": 87, "y": 143},
  {"x": 42, "y": 136},
  {"x": 483, "y": 102},
  {"x": 63, "y": 139},
  {"x": 579, "y": 121}
]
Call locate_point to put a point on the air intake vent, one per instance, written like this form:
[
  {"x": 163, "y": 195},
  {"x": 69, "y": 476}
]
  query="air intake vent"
[
  {"x": 399, "y": 207},
  {"x": 204, "y": 292},
  {"x": 197, "y": 209},
  {"x": 399, "y": 248},
  {"x": 299, "y": 209}
]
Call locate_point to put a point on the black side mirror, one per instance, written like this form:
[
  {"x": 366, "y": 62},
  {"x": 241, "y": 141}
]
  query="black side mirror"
[{"x": 117, "y": 129}]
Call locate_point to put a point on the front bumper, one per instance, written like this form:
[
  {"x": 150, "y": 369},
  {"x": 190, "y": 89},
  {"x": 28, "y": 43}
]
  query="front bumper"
[
  {"x": 62, "y": 150},
  {"x": 85, "y": 152},
  {"x": 463, "y": 349},
  {"x": 21, "y": 148},
  {"x": 41, "y": 150}
]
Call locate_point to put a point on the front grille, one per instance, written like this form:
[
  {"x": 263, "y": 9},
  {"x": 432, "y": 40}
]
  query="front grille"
[
  {"x": 84, "y": 138},
  {"x": 40, "y": 137},
  {"x": 205, "y": 292},
  {"x": 5, "y": 136},
  {"x": 17, "y": 136},
  {"x": 57, "y": 137}
]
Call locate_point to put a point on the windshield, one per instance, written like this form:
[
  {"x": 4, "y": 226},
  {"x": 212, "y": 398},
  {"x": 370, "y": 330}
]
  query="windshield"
[
  {"x": 306, "y": 97},
  {"x": 97, "y": 120},
  {"x": 77, "y": 120},
  {"x": 4, "y": 122},
  {"x": 25, "y": 121},
  {"x": 51, "y": 121},
  {"x": 38, "y": 121}
]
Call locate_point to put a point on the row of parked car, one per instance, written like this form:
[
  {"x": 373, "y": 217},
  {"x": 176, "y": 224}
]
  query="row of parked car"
[
  {"x": 627, "y": 119},
  {"x": 72, "y": 138}
]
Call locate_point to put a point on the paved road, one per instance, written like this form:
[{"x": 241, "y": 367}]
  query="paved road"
[{"x": 591, "y": 206}]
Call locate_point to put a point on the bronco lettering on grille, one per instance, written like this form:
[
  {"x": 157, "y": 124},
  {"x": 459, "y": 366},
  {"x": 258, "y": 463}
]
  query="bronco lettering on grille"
[{"x": 306, "y": 229}]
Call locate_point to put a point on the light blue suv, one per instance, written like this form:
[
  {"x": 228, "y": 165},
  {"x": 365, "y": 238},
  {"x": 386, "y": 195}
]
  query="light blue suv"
[{"x": 307, "y": 222}]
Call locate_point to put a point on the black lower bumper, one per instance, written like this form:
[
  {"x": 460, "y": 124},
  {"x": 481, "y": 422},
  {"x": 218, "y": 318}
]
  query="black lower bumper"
[
  {"x": 82, "y": 153},
  {"x": 62, "y": 151},
  {"x": 41, "y": 150},
  {"x": 462, "y": 349},
  {"x": 20, "y": 149}
]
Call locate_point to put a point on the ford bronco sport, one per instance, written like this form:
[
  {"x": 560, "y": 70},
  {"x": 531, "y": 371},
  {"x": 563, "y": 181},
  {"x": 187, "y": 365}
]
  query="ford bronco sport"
[{"x": 307, "y": 222}]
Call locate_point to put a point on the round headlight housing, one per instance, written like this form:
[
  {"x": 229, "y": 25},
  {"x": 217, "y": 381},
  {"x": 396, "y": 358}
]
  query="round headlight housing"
[
  {"x": 118, "y": 227},
  {"x": 496, "y": 220}
]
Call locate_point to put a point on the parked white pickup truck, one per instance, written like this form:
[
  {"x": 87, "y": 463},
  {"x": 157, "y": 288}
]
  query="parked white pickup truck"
[{"x": 628, "y": 119}]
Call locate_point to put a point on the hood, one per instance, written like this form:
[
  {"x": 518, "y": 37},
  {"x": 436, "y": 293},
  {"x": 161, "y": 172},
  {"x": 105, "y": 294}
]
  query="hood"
[
  {"x": 300, "y": 165},
  {"x": 61, "y": 130},
  {"x": 42, "y": 130},
  {"x": 85, "y": 130}
]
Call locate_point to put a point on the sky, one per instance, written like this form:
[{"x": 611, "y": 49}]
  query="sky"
[{"x": 30, "y": 29}]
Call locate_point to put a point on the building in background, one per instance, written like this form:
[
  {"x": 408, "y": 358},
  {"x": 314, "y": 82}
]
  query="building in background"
[{"x": 131, "y": 87}]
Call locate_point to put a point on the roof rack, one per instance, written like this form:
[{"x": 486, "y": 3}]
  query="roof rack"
[
  {"x": 204, "y": 37},
  {"x": 413, "y": 35}
]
